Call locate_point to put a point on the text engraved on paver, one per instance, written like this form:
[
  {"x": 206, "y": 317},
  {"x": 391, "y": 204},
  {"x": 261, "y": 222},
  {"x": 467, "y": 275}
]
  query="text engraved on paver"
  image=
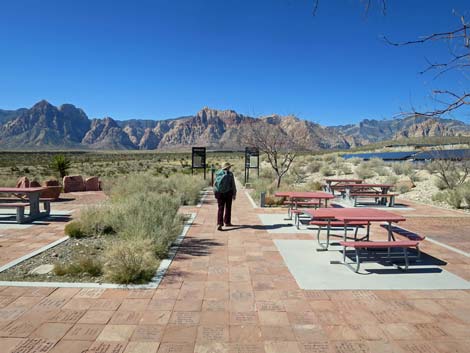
[
  {"x": 17, "y": 329},
  {"x": 213, "y": 333},
  {"x": 351, "y": 347},
  {"x": 315, "y": 347},
  {"x": 52, "y": 303},
  {"x": 67, "y": 316},
  {"x": 34, "y": 345},
  {"x": 104, "y": 347},
  {"x": 184, "y": 318}
]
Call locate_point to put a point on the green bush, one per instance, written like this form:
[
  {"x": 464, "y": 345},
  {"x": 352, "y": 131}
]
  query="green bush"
[
  {"x": 131, "y": 261},
  {"x": 74, "y": 230}
]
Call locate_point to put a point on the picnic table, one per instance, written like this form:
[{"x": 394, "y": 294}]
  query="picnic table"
[
  {"x": 332, "y": 184},
  {"x": 349, "y": 216},
  {"x": 33, "y": 196},
  {"x": 367, "y": 190},
  {"x": 303, "y": 198}
]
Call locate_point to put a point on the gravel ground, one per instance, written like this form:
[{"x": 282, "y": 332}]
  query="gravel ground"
[{"x": 65, "y": 252}]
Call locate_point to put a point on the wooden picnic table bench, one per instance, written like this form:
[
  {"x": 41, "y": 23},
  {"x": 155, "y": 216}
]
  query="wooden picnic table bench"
[
  {"x": 358, "y": 245},
  {"x": 337, "y": 184},
  {"x": 355, "y": 196},
  {"x": 296, "y": 198},
  {"x": 364, "y": 190}
]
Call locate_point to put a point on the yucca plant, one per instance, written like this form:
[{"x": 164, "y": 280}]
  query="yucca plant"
[{"x": 61, "y": 164}]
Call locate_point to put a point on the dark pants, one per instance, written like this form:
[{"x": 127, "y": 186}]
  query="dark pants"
[{"x": 224, "y": 201}]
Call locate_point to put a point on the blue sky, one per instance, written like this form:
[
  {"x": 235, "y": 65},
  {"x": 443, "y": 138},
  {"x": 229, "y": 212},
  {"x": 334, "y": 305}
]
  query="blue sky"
[{"x": 158, "y": 59}]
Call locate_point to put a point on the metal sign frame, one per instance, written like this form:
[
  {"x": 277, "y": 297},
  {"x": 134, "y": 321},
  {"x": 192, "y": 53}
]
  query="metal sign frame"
[
  {"x": 249, "y": 153},
  {"x": 198, "y": 159}
]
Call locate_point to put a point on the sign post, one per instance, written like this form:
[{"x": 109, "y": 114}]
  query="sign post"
[
  {"x": 251, "y": 161},
  {"x": 198, "y": 160}
]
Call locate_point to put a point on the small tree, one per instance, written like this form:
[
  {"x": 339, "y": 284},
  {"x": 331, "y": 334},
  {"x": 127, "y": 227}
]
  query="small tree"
[
  {"x": 451, "y": 173},
  {"x": 61, "y": 164},
  {"x": 274, "y": 142}
]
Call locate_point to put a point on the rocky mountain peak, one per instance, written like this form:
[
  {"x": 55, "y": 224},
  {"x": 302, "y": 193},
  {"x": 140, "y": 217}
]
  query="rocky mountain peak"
[{"x": 68, "y": 126}]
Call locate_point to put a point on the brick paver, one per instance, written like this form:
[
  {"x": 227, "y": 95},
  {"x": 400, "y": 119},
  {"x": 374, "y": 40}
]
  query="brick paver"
[{"x": 231, "y": 292}]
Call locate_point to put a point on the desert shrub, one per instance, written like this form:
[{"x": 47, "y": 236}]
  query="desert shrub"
[
  {"x": 80, "y": 265},
  {"x": 263, "y": 185},
  {"x": 363, "y": 171},
  {"x": 391, "y": 179},
  {"x": 298, "y": 174},
  {"x": 329, "y": 158},
  {"x": 327, "y": 171},
  {"x": 414, "y": 177},
  {"x": 376, "y": 162},
  {"x": 313, "y": 186},
  {"x": 346, "y": 169},
  {"x": 130, "y": 261},
  {"x": 465, "y": 191},
  {"x": 99, "y": 220},
  {"x": 453, "y": 198},
  {"x": 355, "y": 160},
  {"x": 402, "y": 168},
  {"x": 313, "y": 167},
  {"x": 450, "y": 173},
  {"x": 440, "y": 184},
  {"x": 403, "y": 188},
  {"x": 381, "y": 170},
  {"x": 74, "y": 230}
]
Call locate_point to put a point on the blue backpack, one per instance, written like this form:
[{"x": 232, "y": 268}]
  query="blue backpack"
[{"x": 223, "y": 181}]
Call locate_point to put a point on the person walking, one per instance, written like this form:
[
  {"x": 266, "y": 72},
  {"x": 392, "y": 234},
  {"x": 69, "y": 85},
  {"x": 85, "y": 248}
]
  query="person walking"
[{"x": 225, "y": 191}]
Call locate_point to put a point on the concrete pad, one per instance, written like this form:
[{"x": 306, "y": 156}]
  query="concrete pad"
[
  {"x": 312, "y": 271},
  {"x": 366, "y": 204}
]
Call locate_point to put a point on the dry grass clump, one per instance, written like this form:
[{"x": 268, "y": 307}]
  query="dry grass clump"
[
  {"x": 83, "y": 264},
  {"x": 131, "y": 261}
]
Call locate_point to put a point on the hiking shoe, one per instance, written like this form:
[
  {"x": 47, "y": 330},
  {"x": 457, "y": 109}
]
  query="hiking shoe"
[
  {"x": 219, "y": 228},
  {"x": 229, "y": 225}
]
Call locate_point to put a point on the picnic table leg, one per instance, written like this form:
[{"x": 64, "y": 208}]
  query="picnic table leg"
[
  {"x": 34, "y": 211},
  {"x": 324, "y": 247},
  {"x": 390, "y": 236}
]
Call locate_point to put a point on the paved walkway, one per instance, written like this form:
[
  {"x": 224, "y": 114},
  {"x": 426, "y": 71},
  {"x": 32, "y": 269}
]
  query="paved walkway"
[{"x": 231, "y": 292}]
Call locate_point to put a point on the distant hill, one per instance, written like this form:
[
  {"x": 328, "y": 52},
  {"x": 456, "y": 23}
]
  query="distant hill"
[{"x": 47, "y": 126}]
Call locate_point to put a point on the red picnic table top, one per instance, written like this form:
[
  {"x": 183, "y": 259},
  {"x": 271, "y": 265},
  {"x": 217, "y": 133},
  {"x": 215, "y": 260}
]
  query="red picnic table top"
[
  {"x": 304, "y": 194},
  {"x": 339, "y": 180},
  {"x": 368, "y": 185},
  {"x": 22, "y": 190},
  {"x": 355, "y": 214}
]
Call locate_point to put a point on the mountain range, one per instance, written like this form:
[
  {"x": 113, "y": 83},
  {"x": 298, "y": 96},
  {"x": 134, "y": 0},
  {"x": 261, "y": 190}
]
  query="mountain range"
[{"x": 66, "y": 126}]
